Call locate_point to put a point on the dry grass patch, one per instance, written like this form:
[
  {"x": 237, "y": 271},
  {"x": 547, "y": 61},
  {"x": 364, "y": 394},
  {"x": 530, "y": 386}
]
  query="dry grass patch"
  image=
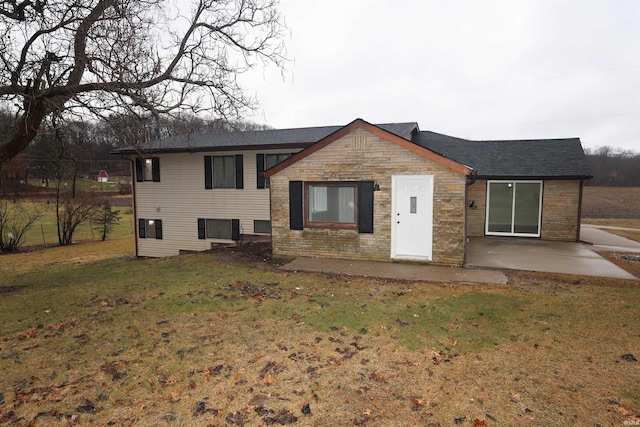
[
  {"x": 207, "y": 339},
  {"x": 79, "y": 253}
]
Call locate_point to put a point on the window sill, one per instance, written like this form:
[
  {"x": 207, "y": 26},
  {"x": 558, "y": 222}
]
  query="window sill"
[{"x": 331, "y": 226}]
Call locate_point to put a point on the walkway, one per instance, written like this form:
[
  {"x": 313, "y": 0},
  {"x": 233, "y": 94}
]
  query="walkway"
[
  {"x": 488, "y": 256},
  {"x": 397, "y": 270},
  {"x": 597, "y": 236}
]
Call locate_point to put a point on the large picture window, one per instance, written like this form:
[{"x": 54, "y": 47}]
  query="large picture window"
[
  {"x": 329, "y": 203},
  {"x": 345, "y": 205}
]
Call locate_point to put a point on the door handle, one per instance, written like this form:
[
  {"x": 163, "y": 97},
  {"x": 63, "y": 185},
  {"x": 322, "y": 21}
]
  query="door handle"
[{"x": 398, "y": 222}]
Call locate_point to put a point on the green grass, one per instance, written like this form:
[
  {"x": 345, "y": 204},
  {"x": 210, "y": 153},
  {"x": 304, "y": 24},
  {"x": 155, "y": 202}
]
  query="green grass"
[{"x": 145, "y": 340}]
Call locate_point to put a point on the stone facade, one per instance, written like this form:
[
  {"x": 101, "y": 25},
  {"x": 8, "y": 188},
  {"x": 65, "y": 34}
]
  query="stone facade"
[
  {"x": 476, "y": 216},
  {"x": 361, "y": 155},
  {"x": 560, "y": 209}
]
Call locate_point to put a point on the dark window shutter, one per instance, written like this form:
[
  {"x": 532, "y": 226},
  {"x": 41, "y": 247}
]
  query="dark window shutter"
[
  {"x": 235, "y": 229},
  {"x": 296, "y": 220},
  {"x": 141, "y": 228},
  {"x": 202, "y": 231},
  {"x": 139, "y": 170},
  {"x": 158, "y": 223},
  {"x": 155, "y": 169},
  {"x": 365, "y": 207},
  {"x": 260, "y": 170},
  {"x": 239, "y": 171},
  {"x": 208, "y": 173}
]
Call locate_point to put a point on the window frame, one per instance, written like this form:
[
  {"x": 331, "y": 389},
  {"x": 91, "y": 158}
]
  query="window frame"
[
  {"x": 513, "y": 212},
  {"x": 266, "y": 222},
  {"x": 261, "y": 167},
  {"x": 225, "y": 161},
  {"x": 325, "y": 224},
  {"x": 209, "y": 226},
  {"x": 210, "y": 172},
  {"x": 150, "y": 228},
  {"x": 203, "y": 229},
  {"x": 147, "y": 169}
]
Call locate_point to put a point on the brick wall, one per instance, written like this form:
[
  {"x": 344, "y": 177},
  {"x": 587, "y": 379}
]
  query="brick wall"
[
  {"x": 560, "y": 205},
  {"x": 364, "y": 156},
  {"x": 475, "y": 217}
]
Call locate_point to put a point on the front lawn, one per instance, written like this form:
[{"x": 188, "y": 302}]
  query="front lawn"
[{"x": 92, "y": 336}]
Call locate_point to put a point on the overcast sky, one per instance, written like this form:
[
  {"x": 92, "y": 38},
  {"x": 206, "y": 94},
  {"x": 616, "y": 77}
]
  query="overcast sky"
[{"x": 474, "y": 69}]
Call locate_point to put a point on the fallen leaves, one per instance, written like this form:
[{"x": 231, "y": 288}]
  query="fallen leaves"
[
  {"x": 629, "y": 357},
  {"x": 201, "y": 409},
  {"x": 269, "y": 380},
  {"x": 87, "y": 407},
  {"x": 114, "y": 369},
  {"x": 283, "y": 417},
  {"x": 378, "y": 378},
  {"x": 306, "y": 409}
]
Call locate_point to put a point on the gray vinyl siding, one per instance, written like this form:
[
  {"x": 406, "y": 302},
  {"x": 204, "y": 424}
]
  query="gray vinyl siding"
[{"x": 180, "y": 198}]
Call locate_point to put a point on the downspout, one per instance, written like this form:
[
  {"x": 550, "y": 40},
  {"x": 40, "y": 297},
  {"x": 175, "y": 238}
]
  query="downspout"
[{"x": 133, "y": 205}]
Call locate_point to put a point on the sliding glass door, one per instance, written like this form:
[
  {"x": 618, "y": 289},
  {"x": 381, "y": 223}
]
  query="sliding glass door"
[{"x": 514, "y": 208}]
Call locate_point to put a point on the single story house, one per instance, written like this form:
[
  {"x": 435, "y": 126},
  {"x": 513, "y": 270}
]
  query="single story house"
[{"x": 360, "y": 191}]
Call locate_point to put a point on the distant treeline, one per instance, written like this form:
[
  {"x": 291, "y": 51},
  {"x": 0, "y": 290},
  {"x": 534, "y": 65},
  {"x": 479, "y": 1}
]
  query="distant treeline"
[{"x": 613, "y": 168}]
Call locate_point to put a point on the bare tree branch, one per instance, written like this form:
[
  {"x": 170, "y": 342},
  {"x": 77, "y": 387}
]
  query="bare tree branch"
[{"x": 130, "y": 56}]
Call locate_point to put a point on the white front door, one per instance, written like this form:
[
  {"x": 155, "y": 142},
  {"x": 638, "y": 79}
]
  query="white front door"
[{"x": 412, "y": 217}]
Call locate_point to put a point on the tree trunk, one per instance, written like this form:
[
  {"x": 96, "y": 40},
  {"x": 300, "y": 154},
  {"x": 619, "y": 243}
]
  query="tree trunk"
[{"x": 26, "y": 129}]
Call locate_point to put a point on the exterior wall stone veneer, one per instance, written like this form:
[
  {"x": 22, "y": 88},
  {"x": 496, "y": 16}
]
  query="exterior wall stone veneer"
[
  {"x": 361, "y": 155},
  {"x": 560, "y": 205}
]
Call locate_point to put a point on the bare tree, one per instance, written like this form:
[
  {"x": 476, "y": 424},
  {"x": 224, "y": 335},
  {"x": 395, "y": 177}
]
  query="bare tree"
[
  {"x": 143, "y": 57},
  {"x": 15, "y": 220},
  {"x": 73, "y": 211}
]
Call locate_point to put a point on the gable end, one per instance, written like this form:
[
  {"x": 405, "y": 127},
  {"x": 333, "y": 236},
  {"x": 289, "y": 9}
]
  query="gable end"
[{"x": 375, "y": 130}]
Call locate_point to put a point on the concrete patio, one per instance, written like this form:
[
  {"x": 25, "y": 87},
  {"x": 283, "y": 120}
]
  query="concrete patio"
[{"x": 539, "y": 255}]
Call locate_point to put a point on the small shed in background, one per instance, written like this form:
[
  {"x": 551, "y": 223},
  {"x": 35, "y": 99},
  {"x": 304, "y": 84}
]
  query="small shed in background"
[{"x": 99, "y": 175}]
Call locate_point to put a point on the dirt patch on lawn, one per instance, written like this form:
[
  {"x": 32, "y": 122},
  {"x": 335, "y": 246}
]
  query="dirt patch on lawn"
[{"x": 252, "y": 252}]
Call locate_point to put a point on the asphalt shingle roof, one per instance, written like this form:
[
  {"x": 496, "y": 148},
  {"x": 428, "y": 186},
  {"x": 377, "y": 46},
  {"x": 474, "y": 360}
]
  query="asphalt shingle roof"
[
  {"x": 541, "y": 158},
  {"x": 233, "y": 140}
]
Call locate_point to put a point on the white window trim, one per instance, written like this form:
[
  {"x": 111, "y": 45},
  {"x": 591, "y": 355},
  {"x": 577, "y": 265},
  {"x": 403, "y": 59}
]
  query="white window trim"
[{"x": 487, "y": 207}]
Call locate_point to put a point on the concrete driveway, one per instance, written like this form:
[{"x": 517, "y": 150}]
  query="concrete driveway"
[{"x": 555, "y": 257}]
